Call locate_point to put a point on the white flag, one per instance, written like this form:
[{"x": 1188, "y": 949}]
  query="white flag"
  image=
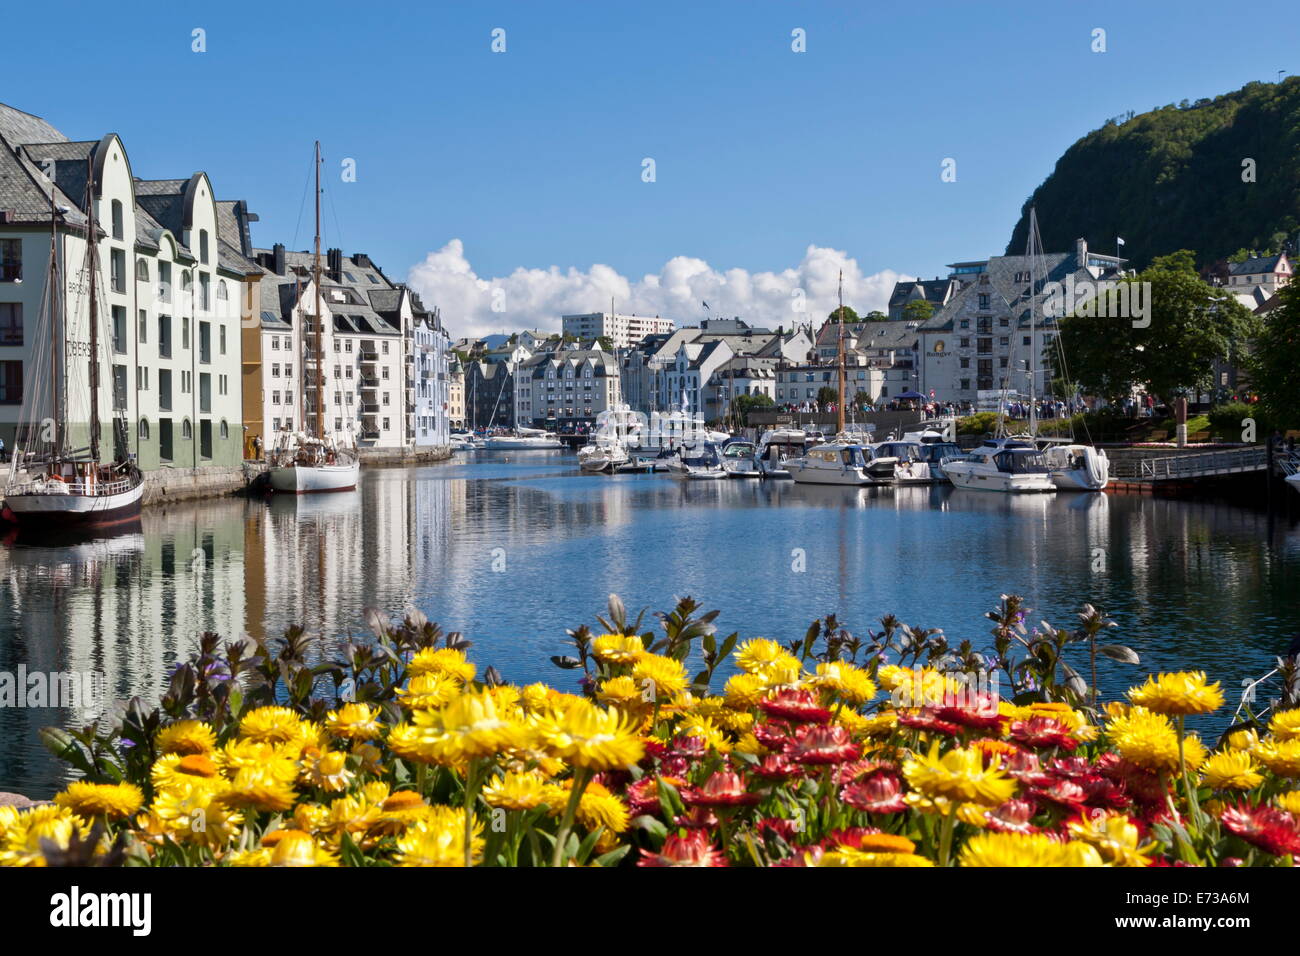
[{"x": 1119, "y": 241}]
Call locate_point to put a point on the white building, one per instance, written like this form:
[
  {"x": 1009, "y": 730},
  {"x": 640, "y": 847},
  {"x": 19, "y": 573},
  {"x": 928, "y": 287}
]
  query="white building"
[
  {"x": 623, "y": 331},
  {"x": 571, "y": 386},
  {"x": 170, "y": 299}
]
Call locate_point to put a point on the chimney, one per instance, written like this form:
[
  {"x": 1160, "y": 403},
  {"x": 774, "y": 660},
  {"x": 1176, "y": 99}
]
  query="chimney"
[
  {"x": 277, "y": 258},
  {"x": 362, "y": 260},
  {"x": 1081, "y": 253},
  {"x": 334, "y": 264}
]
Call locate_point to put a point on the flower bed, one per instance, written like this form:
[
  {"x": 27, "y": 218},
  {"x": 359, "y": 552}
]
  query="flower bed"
[{"x": 832, "y": 750}]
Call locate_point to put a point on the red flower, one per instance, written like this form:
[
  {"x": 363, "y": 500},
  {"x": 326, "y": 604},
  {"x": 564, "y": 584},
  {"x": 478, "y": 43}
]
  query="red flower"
[
  {"x": 723, "y": 789},
  {"x": 700, "y": 818},
  {"x": 1064, "y": 793},
  {"x": 655, "y": 748},
  {"x": 674, "y": 766},
  {"x": 1101, "y": 792},
  {"x": 775, "y": 767},
  {"x": 1272, "y": 830},
  {"x": 779, "y": 826},
  {"x": 822, "y": 744},
  {"x": 1072, "y": 767},
  {"x": 979, "y": 711},
  {"x": 852, "y": 837},
  {"x": 859, "y": 769},
  {"x": 694, "y": 849},
  {"x": 1013, "y": 817},
  {"x": 928, "y": 720},
  {"x": 643, "y": 796},
  {"x": 878, "y": 793},
  {"x": 692, "y": 748},
  {"x": 1142, "y": 785},
  {"x": 799, "y": 706},
  {"x": 1025, "y": 767},
  {"x": 1043, "y": 732},
  {"x": 774, "y": 735}
]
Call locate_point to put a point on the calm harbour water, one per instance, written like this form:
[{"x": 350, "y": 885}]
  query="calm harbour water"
[{"x": 1191, "y": 584}]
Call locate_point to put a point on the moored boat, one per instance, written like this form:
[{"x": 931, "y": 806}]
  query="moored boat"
[{"x": 832, "y": 464}]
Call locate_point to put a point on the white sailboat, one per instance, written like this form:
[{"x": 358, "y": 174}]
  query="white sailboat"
[
  {"x": 309, "y": 463},
  {"x": 51, "y": 485},
  {"x": 523, "y": 439}
]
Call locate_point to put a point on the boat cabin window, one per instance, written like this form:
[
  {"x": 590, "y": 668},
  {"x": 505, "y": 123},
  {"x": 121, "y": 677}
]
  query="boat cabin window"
[{"x": 1020, "y": 463}]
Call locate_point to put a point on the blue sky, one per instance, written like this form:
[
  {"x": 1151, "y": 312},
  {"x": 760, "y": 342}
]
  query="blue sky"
[{"x": 532, "y": 158}]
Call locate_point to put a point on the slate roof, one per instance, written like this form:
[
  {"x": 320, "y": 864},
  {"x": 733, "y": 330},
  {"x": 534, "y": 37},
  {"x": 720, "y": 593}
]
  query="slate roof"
[
  {"x": 1009, "y": 294},
  {"x": 25, "y": 191},
  {"x": 1256, "y": 265},
  {"x": 21, "y": 128},
  {"x": 932, "y": 290}
]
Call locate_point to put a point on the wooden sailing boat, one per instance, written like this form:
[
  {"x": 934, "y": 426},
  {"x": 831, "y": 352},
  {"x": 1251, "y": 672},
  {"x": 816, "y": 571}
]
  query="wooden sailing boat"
[
  {"x": 51, "y": 485},
  {"x": 310, "y": 462}
]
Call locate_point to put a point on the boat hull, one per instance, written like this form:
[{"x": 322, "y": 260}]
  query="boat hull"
[
  {"x": 1001, "y": 482},
  {"x": 75, "y": 511},
  {"x": 831, "y": 476},
  {"x": 311, "y": 479},
  {"x": 1078, "y": 479},
  {"x": 522, "y": 444}
]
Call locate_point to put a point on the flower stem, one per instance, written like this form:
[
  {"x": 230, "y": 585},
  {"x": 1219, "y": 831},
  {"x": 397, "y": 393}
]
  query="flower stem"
[
  {"x": 945, "y": 836},
  {"x": 580, "y": 778},
  {"x": 472, "y": 781}
]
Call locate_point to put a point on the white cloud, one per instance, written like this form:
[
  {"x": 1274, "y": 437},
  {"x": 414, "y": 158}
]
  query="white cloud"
[{"x": 536, "y": 298}]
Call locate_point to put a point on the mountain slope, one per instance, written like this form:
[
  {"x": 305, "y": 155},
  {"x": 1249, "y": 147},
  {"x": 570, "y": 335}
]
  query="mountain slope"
[{"x": 1172, "y": 179}]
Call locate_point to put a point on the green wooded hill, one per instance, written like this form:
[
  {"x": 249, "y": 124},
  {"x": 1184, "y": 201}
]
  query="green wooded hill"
[{"x": 1172, "y": 179}]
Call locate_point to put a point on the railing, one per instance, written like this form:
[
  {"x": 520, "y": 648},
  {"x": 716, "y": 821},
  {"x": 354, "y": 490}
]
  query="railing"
[
  {"x": 1197, "y": 465},
  {"x": 54, "y": 486}
]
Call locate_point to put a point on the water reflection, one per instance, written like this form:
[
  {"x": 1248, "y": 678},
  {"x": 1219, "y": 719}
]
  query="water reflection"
[{"x": 514, "y": 549}]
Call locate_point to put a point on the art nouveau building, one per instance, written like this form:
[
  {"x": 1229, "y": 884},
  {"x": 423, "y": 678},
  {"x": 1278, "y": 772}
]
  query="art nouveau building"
[{"x": 169, "y": 299}]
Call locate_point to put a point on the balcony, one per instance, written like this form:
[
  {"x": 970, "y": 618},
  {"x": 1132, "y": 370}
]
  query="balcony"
[
  {"x": 369, "y": 383},
  {"x": 370, "y": 411},
  {"x": 369, "y": 356}
]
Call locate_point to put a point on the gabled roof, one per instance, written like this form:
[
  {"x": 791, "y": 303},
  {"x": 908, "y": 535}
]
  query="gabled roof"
[
  {"x": 21, "y": 128},
  {"x": 1257, "y": 265},
  {"x": 25, "y": 191}
]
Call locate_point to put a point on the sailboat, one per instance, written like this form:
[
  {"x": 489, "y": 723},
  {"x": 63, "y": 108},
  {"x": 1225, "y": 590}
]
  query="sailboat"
[
  {"x": 1011, "y": 464},
  {"x": 52, "y": 485},
  {"x": 304, "y": 463}
]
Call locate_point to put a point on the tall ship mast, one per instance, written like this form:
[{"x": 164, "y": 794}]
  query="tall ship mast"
[
  {"x": 843, "y": 377},
  {"x": 310, "y": 461},
  {"x": 49, "y": 484}
]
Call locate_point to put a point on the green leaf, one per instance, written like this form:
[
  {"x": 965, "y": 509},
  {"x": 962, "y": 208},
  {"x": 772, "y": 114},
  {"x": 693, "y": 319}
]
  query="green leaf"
[{"x": 613, "y": 856}]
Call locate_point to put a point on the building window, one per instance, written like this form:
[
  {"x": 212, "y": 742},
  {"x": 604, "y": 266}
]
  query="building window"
[
  {"x": 222, "y": 294},
  {"x": 221, "y": 338},
  {"x": 119, "y": 230},
  {"x": 165, "y": 336},
  {"x": 203, "y": 246},
  {"x": 143, "y": 429},
  {"x": 165, "y": 281},
  {"x": 185, "y": 332},
  {"x": 187, "y": 430},
  {"x": 165, "y": 389},
  {"x": 984, "y": 300},
  {"x": 117, "y": 258},
  {"x": 965, "y": 385},
  {"x": 205, "y": 291},
  {"x": 141, "y": 270},
  {"x": 11, "y": 383},
  {"x": 11, "y": 323},
  {"x": 142, "y": 377},
  {"x": 119, "y": 329},
  {"x": 225, "y": 430},
  {"x": 119, "y": 388},
  {"x": 142, "y": 327},
  {"x": 11, "y": 260}
]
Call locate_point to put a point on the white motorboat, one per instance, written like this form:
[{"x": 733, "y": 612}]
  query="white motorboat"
[
  {"x": 704, "y": 463},
  {"x": 603, "y": 456},
  {"x": 523, "y": 439},
  {"x": 1078, "y": 467},
  {"x": 832, "y": 464},
  {"x": 738, "y": 459},
  {"x": 617, "y": 429},
  {"x": 776, "y": 448},
  {"x": 1008, "y": 465}
]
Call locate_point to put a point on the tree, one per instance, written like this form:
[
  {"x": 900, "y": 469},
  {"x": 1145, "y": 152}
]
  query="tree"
[
  {"x": 875, "y": 315},
  {"x": 1272, "y": 364},
  {"x": 862, "y": 399},
  {"x": 744, "y": 404},
  {"x": 827, "y": 396},
  {"x": 850, "y": 317},
  {"x": 606, "y": 343},
  {"x": 1188, "y": 326},
  {"x": 918, "y": 310}
]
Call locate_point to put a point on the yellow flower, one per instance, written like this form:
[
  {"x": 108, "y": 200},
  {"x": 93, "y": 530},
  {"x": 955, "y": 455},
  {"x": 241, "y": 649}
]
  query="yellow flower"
[
  {"x": 348, "y": 814},
  {"x": 469, "y": 727},
  {"x": 959, "y": 775},
  {"x": 370, "y": 757},
  {"x": 1285, "y": 725},
  {"x": 196, "y": 814},
  {"x": 1242, "y": 740},
  {"x": 354, "y": 722},
  {"x": 621, "y": 692},
  {"x": 618, "y": 648},
  {"x": 758, "y": 654},
  {"x": 260, "y": 856},
  {"x": 443, "y": 661},
  {"x": 516, "y": 791},
  {"x": 587, "y": 736},
  {"x": 438, "y": 839},
  {"x": 1115, "y": 836},
  {"x": 703, "y": 727},
  {"x": 263, "y": 787},
  {"x": 295, "y": 848},
  {"x": 23, "y": 836},
  {"x": 892, "y": 677},
  {"x": 273, "y": 725},
  {"x": 191, "y": 770},
  {"x": 847, "y": 856},
  {"x": 187, "y": 737},
  {"x": 659, "y": 676},
  {"x": 399, "y": 810},
  {"x": 1282, "y": 757},
  {"x": 114, "y": 801},
  {"x": 1231, "y": 770},
  {"x": 848, "y": 682},
  {"x": 425, "y": 691},
  {"x": 599, "y": 808},
  {"x": 1290, "y": 801},
  {"x": 744, "y": 691},
  {"x": 881, "y": 724},
  {"x": 1149, "y": 740},
  {"x": 1026, "y": 849},
  {"x": 328, "y": 770},
  {"x": 1177, "y": 694}
]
